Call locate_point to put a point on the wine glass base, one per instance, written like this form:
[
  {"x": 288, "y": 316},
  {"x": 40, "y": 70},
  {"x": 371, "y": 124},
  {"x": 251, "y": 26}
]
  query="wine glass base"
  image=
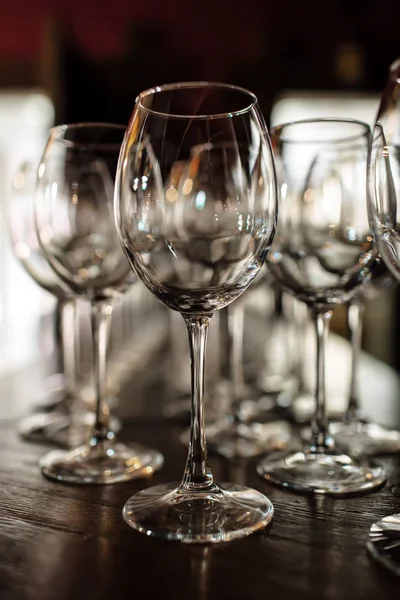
[
  {"x": 218, "y": 515},
  {"x": 58, "y": 428},
  {"x": 244, "y": 440},
  {"x": 366, "y": 439},
  {"x": 384, "y": 542},
  {"x": 333, "y": 474},
  {"x": 104, "y": 463}
]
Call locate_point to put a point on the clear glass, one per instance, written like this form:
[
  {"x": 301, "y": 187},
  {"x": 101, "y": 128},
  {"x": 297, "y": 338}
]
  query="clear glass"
[
  {"x": 278, "y": 378},
  {"x": 303, "y": 397},
  {"x": 195, "y": 207},
  {"x": 240, "y": 432},
  {"x": 75, "y": 227},
  {"x": 322, "y": 252},
  {"x": 54, "y": 423},
  {"x": 383, "y": 194}
]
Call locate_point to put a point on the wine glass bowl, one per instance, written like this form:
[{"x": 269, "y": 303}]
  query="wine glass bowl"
[
  {"x": 79, "y": 238},
  {"x": 323, "y": 244},
  {"x": 195, "y": 208},
  {"x": 322, "y": 252},
  {"x": 208, "y": 249},
  {"x": 76, "y": 231}
]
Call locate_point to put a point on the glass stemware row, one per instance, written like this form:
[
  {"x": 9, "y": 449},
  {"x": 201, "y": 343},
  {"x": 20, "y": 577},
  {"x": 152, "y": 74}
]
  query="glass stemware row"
[{"x": 186, "y": 200}]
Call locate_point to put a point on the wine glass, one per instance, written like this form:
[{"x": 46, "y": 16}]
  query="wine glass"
[
  {"x": 195, "y": 208},
  {"x": 57, "y": 423},
  {"x": 352, "y": 431},
  {"x": 383, "y": 195},
  {"x": 75, "y": 227},
  {"x": 322, "y": 252}
]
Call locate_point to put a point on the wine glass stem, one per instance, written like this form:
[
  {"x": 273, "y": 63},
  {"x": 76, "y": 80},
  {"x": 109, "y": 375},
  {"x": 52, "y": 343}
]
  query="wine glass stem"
[
  {"x": 320, "y": 439},
  {"x": 355, "y": 311},
  {"x": 197, "y": 476},
  {"x": 236, "y": 329},
  {"x": 300, "y": 316},
  {"x": 67, "y": 310},
  {"x": 231, "y": 348},
  {"x": 236, "y": 373},
  {"x": 101, "y": 319}
]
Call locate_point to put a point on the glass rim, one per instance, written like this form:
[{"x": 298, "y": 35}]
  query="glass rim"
[
  {"x": 55, "y": 134},
  {"x": 197, "y": 85},
  {"x": 277, "y": 129}
]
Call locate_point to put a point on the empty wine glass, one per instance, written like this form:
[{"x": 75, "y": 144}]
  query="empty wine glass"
[
  {"x": 195, "y": 206},
  {"x": 56, "y": 424},
  {"x": 322, "y": 252},
  {"x": 352, "y": 431},
  {"x": 383, "y": 196},
  {"x": 76, "y": 230}
]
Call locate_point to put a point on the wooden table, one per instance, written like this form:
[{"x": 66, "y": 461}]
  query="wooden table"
[{"x": 69, "y": 542}]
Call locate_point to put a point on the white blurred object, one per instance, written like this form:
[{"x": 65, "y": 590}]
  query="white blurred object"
[
  {"x": 297, "y": 105},
  {"x": 25, "y": 119}
]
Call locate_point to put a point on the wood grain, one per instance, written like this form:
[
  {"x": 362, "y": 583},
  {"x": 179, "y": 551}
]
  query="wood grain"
[{"x": 70, "y": 542}]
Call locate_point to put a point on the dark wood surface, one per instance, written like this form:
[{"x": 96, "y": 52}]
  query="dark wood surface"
[{"x": 69, "y": 542}]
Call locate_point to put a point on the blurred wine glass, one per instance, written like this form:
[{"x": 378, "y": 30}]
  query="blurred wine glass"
[
  {"x": 383, "y": 198},
  {"x": 352, "y": 432},
  {"x": 75, "y": 226},
  {"x": 322, "y": 252},
  {"x": 61, "y": 419},
  {"x": 240, "y": 431},
  {"x": 195, "y": 207}
]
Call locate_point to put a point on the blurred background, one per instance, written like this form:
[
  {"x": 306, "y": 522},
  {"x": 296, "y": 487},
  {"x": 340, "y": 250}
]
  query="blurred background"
[{"x": 81, "y": 60}]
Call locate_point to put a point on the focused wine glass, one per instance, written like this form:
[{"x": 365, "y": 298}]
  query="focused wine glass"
[
  {"x": 383, "y": 197},
  {"x": 75, "y": 227},
  {"x": 195, "y": 207},
  {"x": 322, "y": 252},
  {"x": 60, "y": 421}
]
